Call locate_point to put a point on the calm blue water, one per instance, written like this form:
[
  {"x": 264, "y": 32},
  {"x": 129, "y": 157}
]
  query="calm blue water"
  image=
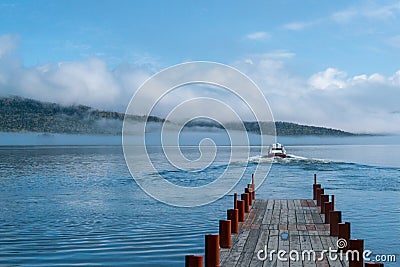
[{"x": 78, "y": 205}]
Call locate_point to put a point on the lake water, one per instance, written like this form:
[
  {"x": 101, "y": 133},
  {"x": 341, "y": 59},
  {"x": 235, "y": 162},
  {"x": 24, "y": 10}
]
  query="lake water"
[{"x": 70, "y": 200}]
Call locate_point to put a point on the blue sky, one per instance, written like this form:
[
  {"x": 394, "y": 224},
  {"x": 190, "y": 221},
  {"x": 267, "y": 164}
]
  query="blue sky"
[
  {"x": 172, "y": 32},
  {"x": 330, "y": 51}
]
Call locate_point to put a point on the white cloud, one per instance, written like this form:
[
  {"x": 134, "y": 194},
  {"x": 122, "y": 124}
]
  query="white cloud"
[
  {"x": 394, "y": 41},
  {"x": 370, "y": 11},
  {"x": 87, "y": 82},
  {"x": 330, "y": 78},
  {"x": 7, "y": 44},
  {"x": 258, "y": 36},
  {"x": 331, "y": 98},
  {"x": 296, "y": 26}
]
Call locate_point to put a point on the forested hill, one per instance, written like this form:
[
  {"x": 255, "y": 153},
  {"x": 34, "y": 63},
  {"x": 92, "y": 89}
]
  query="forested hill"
[{"x": 26, "y": 115}]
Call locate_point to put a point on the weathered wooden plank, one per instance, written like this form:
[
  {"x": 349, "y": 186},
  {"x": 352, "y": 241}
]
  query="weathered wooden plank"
[
  {"x": 283, "y": 217},
  {"x": 283, "y": 246},
  {"x": 308, "y": 217},
  {"x": 317, "y": 218},
  {"x": 252, "y": 240},
  {"x": 327, "y": 243},
  {"x": 300, "y": 218},
  {"x": 284, "y": 204},
  {"x": 290, "y": 203},
  {"x": 244, "y": 259},
  {"x": 273, "y": 242},
  {"x": 316, "y": 243},
  {"x": 294, "y": 245},
  {"x": 270, "y": 204},
  {"x": 311, "y": 203},
  {"x": 294, "y": 239},
  {"x": 261, "y": 209},
  {"x": 322, "y": 262},
  {"x": 261, "y": 245},
  {"x": 297, "y": 203},
  {"x": 305, "y": 242},
  {"x": 236, "y": 250},
  {"x": 275, "y": 214},
  {"x": 232, "y": 259},
  {"x": 267, "y": 216}
]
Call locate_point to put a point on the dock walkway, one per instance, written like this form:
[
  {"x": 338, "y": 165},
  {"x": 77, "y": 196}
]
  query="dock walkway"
[
  {"x": 282, "y": 233},
  {"x": 292, "y": 226}
]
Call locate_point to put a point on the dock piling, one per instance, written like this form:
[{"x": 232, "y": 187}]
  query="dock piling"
[
  {"x": 194, "y": 261},
  {"x": 320, "y": 191},
  {"x": 240, "y": 207},
  {"x": 356, "y": 245},
  {"x": 344, "y": 233},
  {"x": 245, "y": 198},
  {"x": 335, "y": 218},
  {"x": 212, "y": 251},
  {"x": 225, "y": 234},
  {"x": 328, "y": 206},
  {"x": 315, "y": 187},
  {"x": 249, "y": 191},
  {"x": 233, "y": 216},
  {"x": 324, "y": 199}
]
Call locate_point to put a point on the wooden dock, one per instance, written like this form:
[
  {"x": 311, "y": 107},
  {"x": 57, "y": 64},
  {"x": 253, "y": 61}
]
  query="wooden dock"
[
  {"x": 287, "y": 225},
  {"x": 282, "y": 233}
]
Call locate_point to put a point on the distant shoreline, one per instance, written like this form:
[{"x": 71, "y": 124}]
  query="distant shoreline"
[{"x": 21, "y": 115}]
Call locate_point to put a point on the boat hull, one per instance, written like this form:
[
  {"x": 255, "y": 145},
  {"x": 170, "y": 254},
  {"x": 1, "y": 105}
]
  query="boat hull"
[{"x": 272, "y": 155}]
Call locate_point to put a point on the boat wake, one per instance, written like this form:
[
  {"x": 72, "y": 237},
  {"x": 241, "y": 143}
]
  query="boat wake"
[{"x": 290, "y": 158}]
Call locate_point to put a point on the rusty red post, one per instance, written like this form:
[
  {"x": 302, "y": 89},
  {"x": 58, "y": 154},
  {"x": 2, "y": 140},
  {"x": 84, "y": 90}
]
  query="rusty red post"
[
  {"x": 240, "y": 207},
  {"x": 335, "y": 217},
  {"x": 194, "y": 261},
  {"x": 249, "y": 191},
  {"x": 374, "y": 264},
  {"x": 212, "y": 251},
  {"x": 356, "y": 245},
  {"x": 333, "y": 202},
  {"x": 315, "y": 178},
  {"x": 320, "y": 191},
  {"x": 252, "y": 190},
  {"x": 253, "y": 187},
  {"x": 233, "y": 216},
  {"x": 327, "y": 208},
  {"x": 245, "y": 198},
  {"x": 225, "y": 234},
  {"x": 324, "y": 198},
  {"x": 234, "y": 201},
  {"x": 315, "y": 187},
  {"x": 344, "y": 233}
]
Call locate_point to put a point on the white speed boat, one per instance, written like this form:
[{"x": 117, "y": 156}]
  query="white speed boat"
[{"x": 277, "y": 150}]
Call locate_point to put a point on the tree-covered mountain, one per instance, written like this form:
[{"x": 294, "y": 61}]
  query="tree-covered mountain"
[
  {"x": 281, "y": 128},
  {"x": 26, "y": 115}
]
